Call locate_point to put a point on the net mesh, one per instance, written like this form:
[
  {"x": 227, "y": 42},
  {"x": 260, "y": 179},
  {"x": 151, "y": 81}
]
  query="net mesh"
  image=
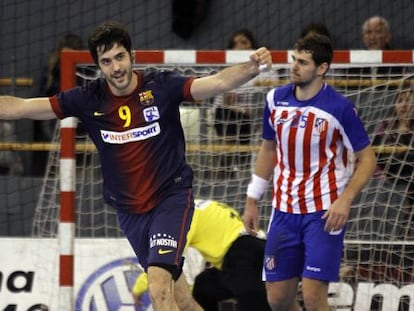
[
  {"x": 32, "y": 32},
  {"x": 379, "y": 246}
]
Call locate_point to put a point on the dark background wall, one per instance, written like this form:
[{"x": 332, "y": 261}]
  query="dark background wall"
[{"x": 30, "y": 29}]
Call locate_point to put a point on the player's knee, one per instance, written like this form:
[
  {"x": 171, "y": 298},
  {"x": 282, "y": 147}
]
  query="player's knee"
[
  {"x": 158, "y": 292},
  {"x": 174, "y": 271},
  {"x": 280, "y": 301},
  {"x": 315, "y": 294},
  {"x": 202, "y": 285},
  {"x": 315, "y": 302},
  {"x": 205, "y": 279},
  {"x": 278, "y": 304},
  {"x": 199, "y": 290},
  {"x": 252, "y": 299},
  {"x": 160, "y": 279}
]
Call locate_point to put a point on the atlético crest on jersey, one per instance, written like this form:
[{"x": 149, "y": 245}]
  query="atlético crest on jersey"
[
  {"x": 269, "y": 263},
  {"x": 321, "y": 125},
  {"x": 146, "y": 98}
]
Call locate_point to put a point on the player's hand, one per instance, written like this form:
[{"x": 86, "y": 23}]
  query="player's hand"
[
  {"x": 337, "y": 215},
  {"x": 262, "y": 58},
  {"x": 251, "y": 217},
  {"x": 137, "y": 300}
]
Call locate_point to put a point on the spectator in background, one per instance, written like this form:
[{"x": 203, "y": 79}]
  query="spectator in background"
[
  {"x": 376, "y": 33},
  {"x": 10, "y": 161},
  {"x": 242, "y": 39},
  {"x": 233, "y": 112},
  {"x": 398, "y": 130},
  {"x": 394, "y": 141},
  {"x": 50, "y": 80},
  {"x": 397, "y": 165},
  {"x": 49, "y": 86},
  {"x": 315, "y": 27}
]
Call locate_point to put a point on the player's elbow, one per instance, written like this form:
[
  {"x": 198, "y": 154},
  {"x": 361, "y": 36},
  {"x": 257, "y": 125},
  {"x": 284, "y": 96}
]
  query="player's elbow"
[{"x": 367, "y": 159}]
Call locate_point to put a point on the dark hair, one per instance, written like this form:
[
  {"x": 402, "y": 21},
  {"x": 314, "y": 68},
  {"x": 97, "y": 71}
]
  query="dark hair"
[
  {"x": 319, "y": 46},
  {"x": 51, "y": 84},
  {"x": 315, "y": 27},
  {"x": 106, "y": 35},
  {"x": 245, "y": 32},
  {"x": 394, "y": 123},
  {"x": 71, "y": 41}
]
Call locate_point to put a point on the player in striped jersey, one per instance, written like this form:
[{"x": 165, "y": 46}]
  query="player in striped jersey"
[
  {"x": 133, "y": 119},
  {"x": 310, "y": 134}
]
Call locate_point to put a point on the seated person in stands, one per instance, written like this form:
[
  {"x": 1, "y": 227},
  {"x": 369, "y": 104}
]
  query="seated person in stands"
[
  {"x": 50, "y": 85},
  {"x": 233, "y": 110},
  {"x": 394, "y": 139},
  {"x": 315, "y": 27},
  {"x": 376, "y": 35},
  {"x": 398, "y": 131}
]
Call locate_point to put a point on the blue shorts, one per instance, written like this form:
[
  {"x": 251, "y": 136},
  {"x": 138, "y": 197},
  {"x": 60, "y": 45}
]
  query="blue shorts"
[
  {"x": 159, "y": 236},
  {"x": 298, "y": 246}
]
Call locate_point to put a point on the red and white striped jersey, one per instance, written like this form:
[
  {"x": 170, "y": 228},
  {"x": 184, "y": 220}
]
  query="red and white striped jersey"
[{"x": 313, "y": 138}]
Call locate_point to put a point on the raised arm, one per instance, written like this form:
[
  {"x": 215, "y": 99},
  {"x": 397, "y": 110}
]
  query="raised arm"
[
  {"x": 231, "y": 77},
  {"x": 13, "y": 108}
]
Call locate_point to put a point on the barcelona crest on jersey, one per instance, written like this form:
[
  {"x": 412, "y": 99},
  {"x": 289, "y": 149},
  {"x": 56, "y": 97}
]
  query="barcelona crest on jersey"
[{"x": 146, "y": 98}]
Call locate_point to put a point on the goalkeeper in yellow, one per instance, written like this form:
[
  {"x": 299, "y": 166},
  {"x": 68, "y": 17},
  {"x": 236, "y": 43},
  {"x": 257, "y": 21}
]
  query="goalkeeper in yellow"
[{"x": 235, "y": 259}]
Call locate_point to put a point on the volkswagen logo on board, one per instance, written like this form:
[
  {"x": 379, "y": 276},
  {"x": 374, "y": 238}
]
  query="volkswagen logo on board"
[{"x": 109, "y": 288}]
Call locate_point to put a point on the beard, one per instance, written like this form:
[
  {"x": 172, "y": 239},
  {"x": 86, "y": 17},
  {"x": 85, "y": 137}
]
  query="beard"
[
  {"x": 302, "y": 83},
  {"x": 126, "y": 78}
]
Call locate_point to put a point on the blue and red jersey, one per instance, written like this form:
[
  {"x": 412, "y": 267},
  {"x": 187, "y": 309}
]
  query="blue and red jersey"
[
  {"x": 314, "y": 142},
  {"x": 139, "y": 137}
]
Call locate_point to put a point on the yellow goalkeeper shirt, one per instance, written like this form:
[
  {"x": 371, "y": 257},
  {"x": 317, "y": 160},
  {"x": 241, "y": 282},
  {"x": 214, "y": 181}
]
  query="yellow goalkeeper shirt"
[{"x": 214, "y": 228}]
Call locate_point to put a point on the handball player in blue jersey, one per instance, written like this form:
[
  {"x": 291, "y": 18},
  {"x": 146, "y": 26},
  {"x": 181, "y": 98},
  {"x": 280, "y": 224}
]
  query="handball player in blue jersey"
[
  {"x": 318, "y": 151},
  {"x": 133, "y": 119}
]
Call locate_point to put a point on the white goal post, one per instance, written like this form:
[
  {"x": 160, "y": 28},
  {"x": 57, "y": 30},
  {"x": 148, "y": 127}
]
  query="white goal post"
[{"x": 379, "y": 247}]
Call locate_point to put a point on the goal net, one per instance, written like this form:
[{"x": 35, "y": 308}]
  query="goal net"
[{"x": 223, "y": 136}]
